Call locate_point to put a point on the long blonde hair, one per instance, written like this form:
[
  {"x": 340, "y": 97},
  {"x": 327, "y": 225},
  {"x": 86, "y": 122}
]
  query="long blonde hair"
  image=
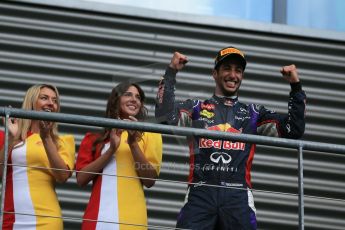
[{"x": 29, "y": 103}]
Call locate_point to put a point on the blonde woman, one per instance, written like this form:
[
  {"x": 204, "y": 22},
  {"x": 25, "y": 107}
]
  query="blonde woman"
[{"x": 35, "y": 149}]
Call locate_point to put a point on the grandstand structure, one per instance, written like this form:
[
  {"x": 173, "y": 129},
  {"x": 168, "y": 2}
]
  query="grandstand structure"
[{"x": 87, "y": 48}]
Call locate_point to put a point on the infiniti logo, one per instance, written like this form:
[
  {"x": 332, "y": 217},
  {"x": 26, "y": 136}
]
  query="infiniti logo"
[{"x": 216, "y": 156}]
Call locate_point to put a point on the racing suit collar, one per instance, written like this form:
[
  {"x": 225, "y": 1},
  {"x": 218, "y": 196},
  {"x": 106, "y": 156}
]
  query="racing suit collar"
[{"x": 228, "y": 101}]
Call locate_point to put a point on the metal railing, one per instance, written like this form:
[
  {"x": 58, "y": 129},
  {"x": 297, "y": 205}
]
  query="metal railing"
[{"x": 300, "y": 145}]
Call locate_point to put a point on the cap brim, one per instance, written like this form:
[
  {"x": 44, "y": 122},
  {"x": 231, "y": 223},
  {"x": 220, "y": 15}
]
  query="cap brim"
[{"x": 234, "y": 55}]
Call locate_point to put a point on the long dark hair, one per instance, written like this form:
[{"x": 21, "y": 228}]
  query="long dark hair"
[{"x": 113, "y": 110}]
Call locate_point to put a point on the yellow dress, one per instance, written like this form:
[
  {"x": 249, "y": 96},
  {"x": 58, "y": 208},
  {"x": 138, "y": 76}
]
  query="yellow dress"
[
  {"x": 30, "y": 192},
  {"x": 118, "y": 199}
]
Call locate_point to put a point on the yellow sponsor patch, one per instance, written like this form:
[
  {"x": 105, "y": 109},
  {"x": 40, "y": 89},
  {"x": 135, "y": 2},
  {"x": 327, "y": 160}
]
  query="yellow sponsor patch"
[
  {"x": 207, "y": 114},
  {"x": 231, "y": 51}
]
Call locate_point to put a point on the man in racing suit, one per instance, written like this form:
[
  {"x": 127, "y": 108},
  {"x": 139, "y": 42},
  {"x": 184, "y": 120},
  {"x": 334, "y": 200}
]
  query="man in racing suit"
[{"x": 226, "y": 165}]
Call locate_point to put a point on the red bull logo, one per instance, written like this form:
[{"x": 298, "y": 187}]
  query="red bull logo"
[
  {"x": 224, "y": 128},
  {"x": 220, "y": 144},
  {"x": 207, "y": 106}
]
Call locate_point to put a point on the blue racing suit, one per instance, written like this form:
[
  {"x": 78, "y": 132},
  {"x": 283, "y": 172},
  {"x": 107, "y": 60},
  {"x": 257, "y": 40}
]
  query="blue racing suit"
[{"x": 223, "y": 162}]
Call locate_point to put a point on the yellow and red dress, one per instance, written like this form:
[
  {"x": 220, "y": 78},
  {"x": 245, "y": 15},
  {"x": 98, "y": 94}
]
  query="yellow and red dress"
[
  {"x": 2, "y": 139},
  {"x": 119, "y": 198},
  {"x": 30, "y": 192}
]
